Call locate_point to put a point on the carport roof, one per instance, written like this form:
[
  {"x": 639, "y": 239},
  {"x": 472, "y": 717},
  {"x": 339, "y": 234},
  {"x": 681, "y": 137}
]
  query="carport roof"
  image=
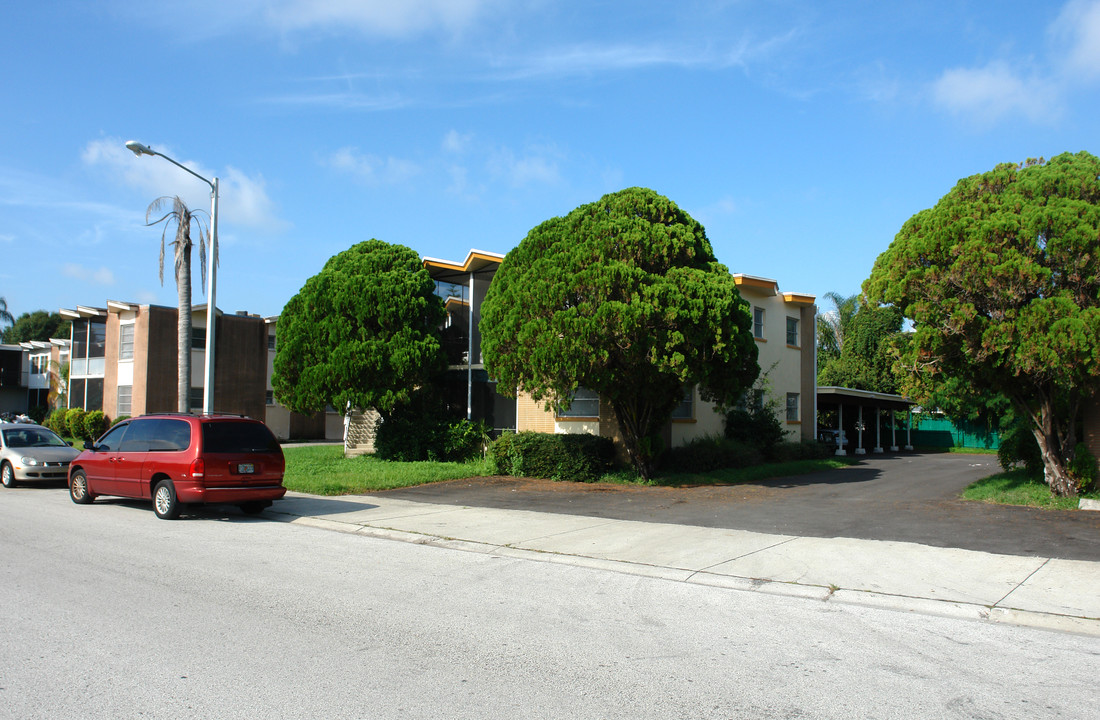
[{"x": 840, "y": 395}]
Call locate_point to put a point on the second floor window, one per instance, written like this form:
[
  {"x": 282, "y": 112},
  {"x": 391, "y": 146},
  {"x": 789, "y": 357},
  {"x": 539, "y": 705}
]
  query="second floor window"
[
  {"x": 758, "y": 323},
  {"x": 126, "y": 342},
  {"x": 792, "y": 331}
]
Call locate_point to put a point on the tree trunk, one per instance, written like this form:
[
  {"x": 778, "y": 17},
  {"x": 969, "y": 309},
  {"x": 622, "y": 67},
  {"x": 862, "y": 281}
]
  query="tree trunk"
[
  {"x": 634, "y": 423},
  {"x": 1054, "y": 447},
  {"x": 183, "y": 285}
]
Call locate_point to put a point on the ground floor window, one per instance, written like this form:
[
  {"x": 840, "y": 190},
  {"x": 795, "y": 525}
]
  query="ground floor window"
[
  {"x": 585, "y": 404},
  {"x": 86, "y": 393},
  {"x": 125, "y": 392},
  {"x": 792, "y": 407},
  {"x": 686, "y": 409}
]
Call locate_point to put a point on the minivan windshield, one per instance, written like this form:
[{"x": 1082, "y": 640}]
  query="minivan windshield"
[{"x": 237, "y": 437}]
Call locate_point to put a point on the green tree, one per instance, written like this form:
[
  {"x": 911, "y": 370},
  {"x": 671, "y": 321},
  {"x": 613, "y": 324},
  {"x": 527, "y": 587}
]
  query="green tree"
[
  {"x": 37, "y": 325},
  {"x": 183, "y": 218},
  {"x": 624, "y": 297},
  {"x": 364, "y": 331},
  {"x": 867, "y": 356},
  {"x": 1002, "y": 282}
]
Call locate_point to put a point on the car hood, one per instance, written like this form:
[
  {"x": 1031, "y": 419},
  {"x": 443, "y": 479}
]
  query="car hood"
[{"x": 47, "y": 454}]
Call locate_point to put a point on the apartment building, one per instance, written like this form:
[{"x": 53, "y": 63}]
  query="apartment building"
[
  {"x": 783, "y": 327},
  {"x": 123, "y": 360}
]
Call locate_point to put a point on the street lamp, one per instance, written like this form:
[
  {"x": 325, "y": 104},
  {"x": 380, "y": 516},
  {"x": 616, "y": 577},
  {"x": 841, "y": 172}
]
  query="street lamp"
[{"x": 208, "y": 375}]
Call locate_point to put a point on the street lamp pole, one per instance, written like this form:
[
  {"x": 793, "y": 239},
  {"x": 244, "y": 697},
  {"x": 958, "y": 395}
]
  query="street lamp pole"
[{"x": 208, "y": 374}]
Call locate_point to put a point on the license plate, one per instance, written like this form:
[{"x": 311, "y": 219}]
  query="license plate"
[{"x": 246, "y": 468}]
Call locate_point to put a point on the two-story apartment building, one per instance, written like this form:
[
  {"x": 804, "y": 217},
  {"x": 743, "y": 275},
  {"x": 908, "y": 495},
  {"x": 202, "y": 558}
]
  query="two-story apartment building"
[{"x": 783, "y": 326}]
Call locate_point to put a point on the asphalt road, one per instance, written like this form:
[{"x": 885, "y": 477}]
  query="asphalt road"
[
  {"x": 905, "y": 497},
  {"x": 108, "y": 612}
]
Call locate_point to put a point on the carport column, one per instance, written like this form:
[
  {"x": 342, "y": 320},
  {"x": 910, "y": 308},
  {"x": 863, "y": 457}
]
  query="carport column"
[
  {"x": 840, "y": 432},
  {"x": 878, "y": 429},
  {"x": 893, "y": 430},
  {"x": 860, "y": 450},
  {"x": 908, "y": 429}
]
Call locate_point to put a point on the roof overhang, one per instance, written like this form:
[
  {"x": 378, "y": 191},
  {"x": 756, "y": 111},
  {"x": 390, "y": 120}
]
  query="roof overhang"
[
  {"x": 850, "y": 396},
  {"x": 83, "y": 312},
  {"x": 477, "y": 262}
]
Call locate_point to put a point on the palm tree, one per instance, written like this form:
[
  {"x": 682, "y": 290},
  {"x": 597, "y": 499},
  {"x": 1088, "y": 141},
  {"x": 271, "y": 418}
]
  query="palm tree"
[
  {"x": 183, "y": 218},
  {"x": 5, "y": 315},
  {"x": 832, "y": 325}
]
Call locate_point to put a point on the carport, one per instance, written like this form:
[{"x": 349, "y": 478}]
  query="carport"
[{"x": 860, "y": 415}]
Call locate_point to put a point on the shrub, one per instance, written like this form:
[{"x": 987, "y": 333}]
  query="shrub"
[
  {"x": 758, "y": 427},
  {"x": 422, "y": 430},
  {"x": 95, "y": 424},
  {"x": 56, "y": 421},
  {"x": 801, "y": 450},
  {"x": 708, "y": 453},
  {"x": 1018, "y": 445},
  {"x": 1083, "y": 466},
  {"x": 74, "y": 423},
  {"x": 119, "y": 419},
  {"x": 568, "y": 457}
]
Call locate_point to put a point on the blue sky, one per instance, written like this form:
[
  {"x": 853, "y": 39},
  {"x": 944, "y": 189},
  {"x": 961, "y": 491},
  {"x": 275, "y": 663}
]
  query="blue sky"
[{"x": 802, "y": 134}]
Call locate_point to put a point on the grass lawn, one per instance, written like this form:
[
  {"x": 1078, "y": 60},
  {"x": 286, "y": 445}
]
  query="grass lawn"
[
  {"x": 1017, "y": 487},
  {"x": 323, "y": 470}
]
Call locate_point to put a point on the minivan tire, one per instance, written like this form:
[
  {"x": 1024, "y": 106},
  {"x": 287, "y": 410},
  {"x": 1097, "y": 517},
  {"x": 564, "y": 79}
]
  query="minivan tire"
[
  {"x": 78, "y": 489},
  {"x": 165, "y": 504}
]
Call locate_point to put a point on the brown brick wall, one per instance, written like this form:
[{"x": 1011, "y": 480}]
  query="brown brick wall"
[
  {"x": 155, "y": 358},
  {"x": 808, "y": 391},
  {"x": 240, "y": 366}
]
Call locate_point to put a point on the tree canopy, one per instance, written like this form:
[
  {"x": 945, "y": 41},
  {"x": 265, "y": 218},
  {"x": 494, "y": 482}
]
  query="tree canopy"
[
  {"x": 364, "y": 330},
  {"x": 37, "y": 325},
  {"x": 623, "y": 297},
  {"x": 1002, "y": 282},
  {"x": 865, "y": 359}
]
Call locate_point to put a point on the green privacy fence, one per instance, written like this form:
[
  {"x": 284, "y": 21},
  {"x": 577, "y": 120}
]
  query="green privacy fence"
[{"x": 938, "y": 431}]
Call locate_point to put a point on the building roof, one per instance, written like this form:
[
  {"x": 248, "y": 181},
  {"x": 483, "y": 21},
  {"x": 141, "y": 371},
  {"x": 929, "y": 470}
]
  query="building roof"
[{"x": 477, "y": 262}]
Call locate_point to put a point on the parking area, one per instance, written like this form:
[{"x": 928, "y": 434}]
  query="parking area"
[{"x": 908, "y": 497}]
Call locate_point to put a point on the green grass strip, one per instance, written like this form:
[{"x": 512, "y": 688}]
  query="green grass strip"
[
  {"x": 323, "y": 470},
  {"x": 1017, "y": 487}
]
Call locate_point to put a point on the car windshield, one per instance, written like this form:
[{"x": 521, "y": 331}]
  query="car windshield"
[
  {"x": 237, "y": 437},
  {"x": 32, "y": 437}
]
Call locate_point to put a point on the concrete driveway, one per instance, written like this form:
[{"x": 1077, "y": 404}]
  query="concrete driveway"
[{"x": 904, "y": 497}]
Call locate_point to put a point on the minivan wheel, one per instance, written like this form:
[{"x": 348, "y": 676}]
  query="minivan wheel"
[
  {"x": 165, "y": 504},
  {"x": 78, "y": 488},
  {"x": 7, "y": 475}
]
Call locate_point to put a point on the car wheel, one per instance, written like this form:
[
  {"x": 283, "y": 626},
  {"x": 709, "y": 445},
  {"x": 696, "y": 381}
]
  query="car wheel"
[
  {"x": 165, "y": 504},
  {"x": 7, "y": 475},
  {"x": 78, "y": 488}
]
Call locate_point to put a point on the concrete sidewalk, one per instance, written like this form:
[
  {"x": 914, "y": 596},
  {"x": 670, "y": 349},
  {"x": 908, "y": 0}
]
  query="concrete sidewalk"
[{"x": 1035, "y": 591}]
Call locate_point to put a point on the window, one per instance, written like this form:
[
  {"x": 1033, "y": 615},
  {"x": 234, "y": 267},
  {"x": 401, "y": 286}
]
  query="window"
[
  {"x": 792, "y": 331},
  {"x": 269, "y": 397},
  {"x": 270, "y": 342},
  {"x": 586, "y": 404},
  {"x": 198, "y": 338},
  {"x": 792, "y": 407},
  {"x": 40, "y": 364},
  {"x": 196, "y": 399},
  {"x": 686, "y": 409},
  {"x": 125, "y": 392},
  {"x": 126, "y": 342},
  {"x": 758, "y": 323}
]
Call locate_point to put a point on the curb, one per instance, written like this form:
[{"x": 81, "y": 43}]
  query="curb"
[{"x": 864, "y": 598}]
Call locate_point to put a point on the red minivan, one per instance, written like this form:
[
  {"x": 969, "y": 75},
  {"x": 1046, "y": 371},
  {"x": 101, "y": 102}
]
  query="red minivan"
[{"x": 176, "y": 459}]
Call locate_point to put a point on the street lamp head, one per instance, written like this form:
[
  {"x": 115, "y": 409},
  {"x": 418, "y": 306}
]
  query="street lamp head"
[{"x": 138, "y": 149}]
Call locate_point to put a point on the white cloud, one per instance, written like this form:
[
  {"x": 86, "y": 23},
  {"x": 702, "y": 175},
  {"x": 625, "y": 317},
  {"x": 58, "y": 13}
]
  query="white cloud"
[
  {"x": 456, "y": 142},
  {"x": 95, "y": 276},
  {"x": 376, "y": 17},
  {"x": 1036, "y": 89},
  {"x": 535, "y": 166},
  {"x": 243, "y": 200},
  {"x": 987, "y": 94},
  {"x": 371, "y": 168},
  {"x": 1076, "y": 32}
]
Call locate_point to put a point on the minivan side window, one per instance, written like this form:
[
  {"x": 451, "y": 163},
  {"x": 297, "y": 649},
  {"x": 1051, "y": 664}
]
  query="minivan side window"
[
  {"x": 157, "y": 435},
  {"x": 112, "y": 439}
]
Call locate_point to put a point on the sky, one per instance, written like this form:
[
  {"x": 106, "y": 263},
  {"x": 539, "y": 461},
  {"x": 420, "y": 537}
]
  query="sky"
[{"x": 801, "y": 133}]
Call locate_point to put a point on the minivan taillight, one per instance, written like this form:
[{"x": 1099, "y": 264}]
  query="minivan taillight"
[{"x": 198, "y": 469}]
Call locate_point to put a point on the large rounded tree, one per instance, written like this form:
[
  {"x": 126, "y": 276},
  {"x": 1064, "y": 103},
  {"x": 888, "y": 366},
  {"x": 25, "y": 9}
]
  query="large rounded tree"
[
  {"x": 1002, "y": 282},
  {"x": 364, "y": 331},
  {"x": 623, "y": 297}
]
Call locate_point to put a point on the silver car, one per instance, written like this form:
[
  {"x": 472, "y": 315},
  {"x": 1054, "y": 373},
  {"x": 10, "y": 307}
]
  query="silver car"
[{"x": 31, "y": 452}]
